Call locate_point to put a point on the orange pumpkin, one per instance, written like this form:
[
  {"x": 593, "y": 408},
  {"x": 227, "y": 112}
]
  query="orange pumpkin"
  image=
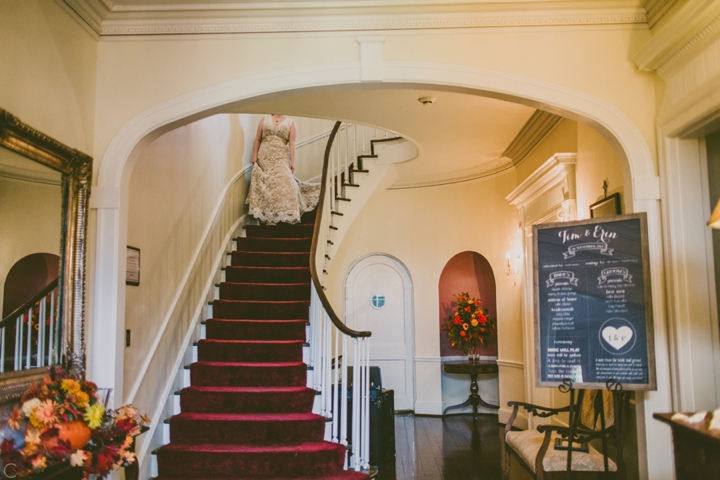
[{"x": 75, "y": 432}]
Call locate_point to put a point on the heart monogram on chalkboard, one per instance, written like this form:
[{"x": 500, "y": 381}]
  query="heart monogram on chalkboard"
[{"x": 617, "y": 337}]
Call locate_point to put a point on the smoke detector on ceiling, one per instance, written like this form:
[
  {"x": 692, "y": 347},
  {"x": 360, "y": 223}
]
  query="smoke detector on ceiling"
[{"x": 426, "y": 100}]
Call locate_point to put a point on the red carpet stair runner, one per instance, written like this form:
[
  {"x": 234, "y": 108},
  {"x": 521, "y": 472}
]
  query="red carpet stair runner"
[{"x": 247, "y": 413}]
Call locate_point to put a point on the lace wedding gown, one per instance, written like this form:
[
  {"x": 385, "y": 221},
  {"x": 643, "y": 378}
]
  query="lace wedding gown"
[{"x": 275, "y": 194}]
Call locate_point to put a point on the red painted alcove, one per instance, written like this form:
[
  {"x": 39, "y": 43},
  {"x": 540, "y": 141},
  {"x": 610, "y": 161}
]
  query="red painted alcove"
[
  {"x": 466, "y": 272},
  {"x": 27, "y": 278}
]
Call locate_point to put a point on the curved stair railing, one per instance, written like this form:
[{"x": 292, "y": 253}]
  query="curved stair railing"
[
  {"x": 329, "y": 337},
  {"x": 36, "y": 332}
]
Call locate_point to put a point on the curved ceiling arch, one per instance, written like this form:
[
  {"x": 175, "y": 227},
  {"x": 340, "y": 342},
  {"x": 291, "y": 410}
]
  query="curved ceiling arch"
[{"x": 621, "y": 133}]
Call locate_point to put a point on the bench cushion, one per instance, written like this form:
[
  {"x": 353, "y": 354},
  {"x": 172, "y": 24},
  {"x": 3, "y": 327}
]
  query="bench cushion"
[{"x": 527, "y": 444}]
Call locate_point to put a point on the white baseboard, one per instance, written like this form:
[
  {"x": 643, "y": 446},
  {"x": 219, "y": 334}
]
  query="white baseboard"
[{"x": 428, "y": 408}]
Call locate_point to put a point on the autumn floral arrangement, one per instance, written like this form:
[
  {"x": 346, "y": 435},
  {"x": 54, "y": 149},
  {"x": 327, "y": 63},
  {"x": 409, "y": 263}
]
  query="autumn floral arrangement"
[
  {"x": 62, "y": 420},
  {"x": 469, "y": 326}
]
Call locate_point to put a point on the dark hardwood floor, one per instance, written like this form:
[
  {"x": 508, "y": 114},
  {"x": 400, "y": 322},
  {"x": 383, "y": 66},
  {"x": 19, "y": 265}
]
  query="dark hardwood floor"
[{"x": 429, "y": 448}]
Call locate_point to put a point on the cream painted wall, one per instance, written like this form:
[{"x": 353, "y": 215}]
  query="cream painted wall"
[
  {"x": 49, "y": 65},
  {"x": 310, "y": 155},
  {"x": 424, "y": 228},
  {"x": 563, "y": 139},
  {"x": 596, "y": 162},
  {"x": 30, "y": 216},
  {"x": 176, "y": 193}
]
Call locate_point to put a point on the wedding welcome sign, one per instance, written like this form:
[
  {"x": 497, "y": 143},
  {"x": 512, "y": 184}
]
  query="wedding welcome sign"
[{"x": 593, "y": 309}]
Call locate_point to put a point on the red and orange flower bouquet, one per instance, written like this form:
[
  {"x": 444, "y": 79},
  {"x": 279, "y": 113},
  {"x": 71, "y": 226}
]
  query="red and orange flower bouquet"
[{"x": 469, "y": 326}]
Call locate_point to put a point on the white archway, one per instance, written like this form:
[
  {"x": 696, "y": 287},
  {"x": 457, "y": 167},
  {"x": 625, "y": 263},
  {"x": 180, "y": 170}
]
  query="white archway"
[{"x": 111, "y": 192}]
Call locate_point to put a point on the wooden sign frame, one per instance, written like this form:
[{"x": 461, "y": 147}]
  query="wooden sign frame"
[{"x": 597, "y": 255}]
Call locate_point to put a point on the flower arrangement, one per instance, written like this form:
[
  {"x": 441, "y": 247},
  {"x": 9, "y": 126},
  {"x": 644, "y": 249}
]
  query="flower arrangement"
[
  {"x": 469, "y": 326},
  {"x": 64, "y": 421}
]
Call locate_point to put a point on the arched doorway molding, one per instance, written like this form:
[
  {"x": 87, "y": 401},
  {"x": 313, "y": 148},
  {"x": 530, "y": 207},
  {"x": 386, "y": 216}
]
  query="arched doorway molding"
[
  {"x": 361, "y": 266},
  {"x": 110, "y": 195}
]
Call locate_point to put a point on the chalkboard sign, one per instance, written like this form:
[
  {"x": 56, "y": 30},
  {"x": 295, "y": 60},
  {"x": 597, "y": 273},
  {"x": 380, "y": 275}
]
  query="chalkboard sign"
[{"x": 593, "y": 310}]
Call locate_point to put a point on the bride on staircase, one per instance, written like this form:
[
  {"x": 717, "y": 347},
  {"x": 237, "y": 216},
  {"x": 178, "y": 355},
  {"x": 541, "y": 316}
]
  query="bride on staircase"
[{"x": 275, "y": 194}]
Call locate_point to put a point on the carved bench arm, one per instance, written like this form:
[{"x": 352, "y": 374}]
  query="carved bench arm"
[{"x": 536, "y": 410}]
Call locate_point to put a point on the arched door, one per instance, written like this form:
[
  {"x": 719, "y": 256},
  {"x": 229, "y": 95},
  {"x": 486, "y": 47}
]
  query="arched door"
[{"x": 378, "y": 293}]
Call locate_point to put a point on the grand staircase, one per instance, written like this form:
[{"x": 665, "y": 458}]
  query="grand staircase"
[{"x": 247, "y": 411}]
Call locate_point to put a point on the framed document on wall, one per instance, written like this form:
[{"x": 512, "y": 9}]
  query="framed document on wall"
[
  {"x": 132, "y": 266},
  {"x": 607, "y": 207},
  {"x": 593, "y": 305}
]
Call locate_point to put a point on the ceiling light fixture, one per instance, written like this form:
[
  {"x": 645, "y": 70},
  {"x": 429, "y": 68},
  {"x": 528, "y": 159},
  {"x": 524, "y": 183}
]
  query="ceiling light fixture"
[{"x": 426, "y": 100}]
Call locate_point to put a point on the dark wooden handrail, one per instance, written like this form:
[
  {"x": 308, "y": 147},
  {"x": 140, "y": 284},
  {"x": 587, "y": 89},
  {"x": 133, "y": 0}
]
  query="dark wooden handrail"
[
  {"x": 313, "y": 250},
  {"x": 22, "y": 308}
]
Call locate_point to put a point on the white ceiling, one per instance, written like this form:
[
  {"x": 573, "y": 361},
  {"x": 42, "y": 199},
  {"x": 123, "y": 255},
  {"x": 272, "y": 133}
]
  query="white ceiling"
[{"x": 459, "y": 133}]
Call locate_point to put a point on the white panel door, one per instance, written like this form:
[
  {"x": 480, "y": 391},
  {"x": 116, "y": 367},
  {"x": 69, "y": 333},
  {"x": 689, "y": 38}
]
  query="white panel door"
[{"x": 379, "y": 300}]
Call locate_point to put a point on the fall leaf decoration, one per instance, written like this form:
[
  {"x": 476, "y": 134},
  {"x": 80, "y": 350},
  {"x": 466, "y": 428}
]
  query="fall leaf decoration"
[
  {"x": 469, "y": 326},
  {"x": 63, "y": 403}
]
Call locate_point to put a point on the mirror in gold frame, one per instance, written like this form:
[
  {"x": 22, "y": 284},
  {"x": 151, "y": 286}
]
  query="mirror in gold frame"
[{"x": 49, "y": 327}]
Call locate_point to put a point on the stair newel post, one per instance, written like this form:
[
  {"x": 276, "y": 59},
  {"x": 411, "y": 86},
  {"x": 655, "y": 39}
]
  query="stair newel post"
[
  {"x": 343, "y": 414},
  {"x": 356, "y": 406},
  {"x": 347, "y": 152},
  {"x": 335, "y": 390}
]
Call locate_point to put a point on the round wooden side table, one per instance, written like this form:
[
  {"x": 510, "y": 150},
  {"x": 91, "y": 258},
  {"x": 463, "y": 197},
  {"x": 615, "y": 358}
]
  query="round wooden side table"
[{"x": 472, "y": 369}]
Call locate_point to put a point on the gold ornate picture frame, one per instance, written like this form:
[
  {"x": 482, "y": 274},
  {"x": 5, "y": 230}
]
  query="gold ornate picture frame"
[{"x": 76, "y": 169}]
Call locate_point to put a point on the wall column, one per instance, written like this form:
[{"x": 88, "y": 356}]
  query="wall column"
[
  {"x": 689, "y": 277},
  {"x": 105, "y": 361}
]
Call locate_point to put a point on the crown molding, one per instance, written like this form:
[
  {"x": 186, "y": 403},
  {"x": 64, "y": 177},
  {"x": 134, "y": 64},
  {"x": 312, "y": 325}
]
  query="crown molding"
[
  {"x": 656, "y": 9},
  {"x": 93, "y": 12},
  {"x": 108, "y": 19},
  {"x": 682, "y": 37},
  {"x": 550, "y": 174},
  {"x": 453, "y": 177},
  {"x": 538, "y": 126}
]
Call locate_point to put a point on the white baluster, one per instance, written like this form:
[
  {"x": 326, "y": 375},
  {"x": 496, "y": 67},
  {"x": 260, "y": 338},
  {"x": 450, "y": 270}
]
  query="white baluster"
[
  {"x": 366, "y": 422},
  {"x": 343, "y": 418},
  {"x": 316, "y": 346},
  {"x": 362, "y": 139},
  {"x": 328, "y": 366},
  {"x": 355, "y": 464},
  {"x": 347, "y": 153},
  {"x": 2, "y": 349},
  {"x": 51, "y": 331},
  {"x": 18, "y": 343},
  {"x": 41, "y": 333},
  {"x": 28, "y": 351},
  {"x": 363, "y": 414},
  {"x": 323, "y": 359},
  {"x": 335, "y": 390},
  {"x": 354, "y": 145}
]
